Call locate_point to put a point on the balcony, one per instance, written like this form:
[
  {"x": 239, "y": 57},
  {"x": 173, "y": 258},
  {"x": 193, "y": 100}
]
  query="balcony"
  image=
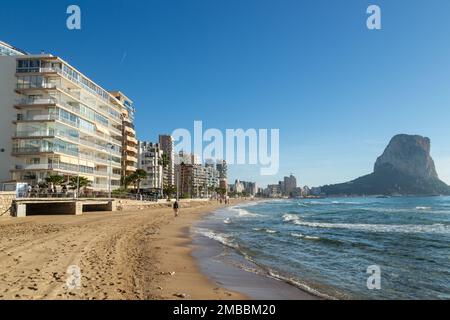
[
  {"x": 131, "y": 149},
  {"x": 131, "y": 158},
  {"x": 133, "y": 140},
  {"x": 130, "y": 130},
  {"x": 130, "y": 168},
  {"x": 18, "y": 151},
  {"x": 35, "y": 102},
  {"x": 56, "y": 166},
  {"x": 56, "y": 117},
  {"x": 42, "y": 86},
  {"x": 52, "y": 133}
]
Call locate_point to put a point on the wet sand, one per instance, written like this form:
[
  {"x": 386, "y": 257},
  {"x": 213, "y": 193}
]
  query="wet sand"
[{"x": 230, "y": 270}]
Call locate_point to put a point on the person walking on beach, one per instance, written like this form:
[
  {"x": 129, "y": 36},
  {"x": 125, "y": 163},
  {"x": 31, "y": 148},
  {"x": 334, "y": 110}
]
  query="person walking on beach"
[{"x": 176, "y": 207}]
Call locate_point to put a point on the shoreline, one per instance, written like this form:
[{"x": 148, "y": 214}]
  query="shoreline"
[
  {"x": 228, "y": 268},
  {"x": 143, "y": 254},
  {"x": 176, "y": 247}
]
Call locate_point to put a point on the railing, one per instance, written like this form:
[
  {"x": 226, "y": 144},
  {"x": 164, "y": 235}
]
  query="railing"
[
  {"x": 40, "y": 86},
  {"x": 56, "y": 117},
  {"x": 44, "y": 193},
  {"x": 36, "y": 150},
  {"x": 62, "y": 73},
  {"x": 102, "y": 186},
  {"x": 68, "y": 167},
  {"x": 41, "y": 101}
]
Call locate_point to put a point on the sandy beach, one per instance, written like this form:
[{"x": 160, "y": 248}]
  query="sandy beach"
[
  {"x": 133, "y": 255},
  {"x": 142, "y": 254}
]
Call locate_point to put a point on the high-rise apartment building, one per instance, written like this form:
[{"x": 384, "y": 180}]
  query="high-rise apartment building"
[
  {"x": 55, "y": 120},
  {"x": 195, "y": 180},
  {"x": 290, "y": 183},
  {"x": 222, "y": 168},
  {"x": 150, "y": 160},
  {"x": 166, "y": 145},
  {"x": 129, "y": 139}
]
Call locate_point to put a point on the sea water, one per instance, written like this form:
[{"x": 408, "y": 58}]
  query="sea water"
[{"x": 325, "y": 246}]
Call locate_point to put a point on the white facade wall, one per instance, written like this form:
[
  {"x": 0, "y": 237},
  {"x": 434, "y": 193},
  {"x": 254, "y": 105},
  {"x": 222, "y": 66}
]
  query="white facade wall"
[{"x": 7, "y": 128}]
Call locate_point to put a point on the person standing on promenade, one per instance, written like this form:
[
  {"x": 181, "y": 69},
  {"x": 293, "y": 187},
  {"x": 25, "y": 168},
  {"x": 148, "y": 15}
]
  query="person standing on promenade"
[{"x": 176, "y": 208}]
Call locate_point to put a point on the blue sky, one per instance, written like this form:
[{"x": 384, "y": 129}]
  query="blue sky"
[{"x": 337, "y": 91}]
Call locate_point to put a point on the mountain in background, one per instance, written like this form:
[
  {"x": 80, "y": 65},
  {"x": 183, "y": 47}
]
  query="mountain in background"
[{"x": 405, "y": 168}]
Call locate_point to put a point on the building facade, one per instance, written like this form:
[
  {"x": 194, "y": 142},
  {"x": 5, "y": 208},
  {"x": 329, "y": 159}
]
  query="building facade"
[
  {"x": 196, "y": 181},
  {"x": 150, "y": 160},
  {"x": 55, "y": 120},
  {"x": 166, "y": 145},
  {"x": 129, "y": 161},
  {"x": 290, "y": 183},
  {"x": 273, "y": 191}
]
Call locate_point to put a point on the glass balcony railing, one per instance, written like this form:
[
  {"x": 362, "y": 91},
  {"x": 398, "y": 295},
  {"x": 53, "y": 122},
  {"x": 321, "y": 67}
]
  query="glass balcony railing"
[
  {"x": 75, "y": 124},
  {"x": 74, "y": 153},
  {"x": 39, "y": 101},
  {"x": 67, "y": 167}
]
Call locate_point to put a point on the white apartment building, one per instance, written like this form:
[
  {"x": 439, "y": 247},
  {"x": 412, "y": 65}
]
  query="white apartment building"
[
  {"x": 150, "y": 160},
  {"x": 55, "y": 120},
  {"x": 8, "y": 50}
]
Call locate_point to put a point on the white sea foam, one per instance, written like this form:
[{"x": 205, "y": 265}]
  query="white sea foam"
[
  {"x": 304, "y": 205},
  {"x": 241, "y": 212},
  {"x": 271, "y": 231},
  {"x": 219, "y": 237},
  {"x": 302, "y": 236},
  {"x": 423, "y": 208},
  {"x": 345, "y": 202},
  {"x": 227, "y": 221},
  {"x": 290, "y": 217},
  {"x": 405, "y": 228},
  {"x": 298, "y": 284}
]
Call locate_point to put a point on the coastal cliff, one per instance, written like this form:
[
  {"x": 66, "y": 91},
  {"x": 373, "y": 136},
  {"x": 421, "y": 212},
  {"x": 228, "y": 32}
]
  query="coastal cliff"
[{"x": 405, "y": 168}]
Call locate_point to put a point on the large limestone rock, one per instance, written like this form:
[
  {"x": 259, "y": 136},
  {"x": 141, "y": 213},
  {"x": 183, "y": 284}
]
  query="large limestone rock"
[
  {"x": 404, "y": 168},
  {"x": 409, "y": 155}
]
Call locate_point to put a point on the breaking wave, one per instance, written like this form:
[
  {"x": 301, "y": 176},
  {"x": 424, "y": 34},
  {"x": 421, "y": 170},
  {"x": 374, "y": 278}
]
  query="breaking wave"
[{"x": 405, "y": 228}]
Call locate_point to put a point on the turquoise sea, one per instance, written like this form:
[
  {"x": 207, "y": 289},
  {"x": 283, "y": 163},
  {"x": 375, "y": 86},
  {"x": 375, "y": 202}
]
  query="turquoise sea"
[{"x": 325, "y": 246}]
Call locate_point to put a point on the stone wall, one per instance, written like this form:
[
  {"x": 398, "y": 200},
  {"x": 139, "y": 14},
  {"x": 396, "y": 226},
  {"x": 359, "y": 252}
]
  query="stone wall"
[
  {"x": 6, "y": 202},
  {"x": 133, "y": 205}
]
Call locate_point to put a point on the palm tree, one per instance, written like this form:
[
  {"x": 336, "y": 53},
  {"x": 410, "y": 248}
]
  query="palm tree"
[
  {"x": 221, "y": 191},
  {"x": 139, "y": 175},
  {"x": 55, "y": 179},
  {"x": 169, "y": 190},
  {"x": 127, "y": 180},
  {"x": 165, "y": 160},
  {"x": 81, "y": 182}
]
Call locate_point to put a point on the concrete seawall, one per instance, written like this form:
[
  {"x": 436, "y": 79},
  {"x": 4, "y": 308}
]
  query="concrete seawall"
[{"x": 6, "y": 203}]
